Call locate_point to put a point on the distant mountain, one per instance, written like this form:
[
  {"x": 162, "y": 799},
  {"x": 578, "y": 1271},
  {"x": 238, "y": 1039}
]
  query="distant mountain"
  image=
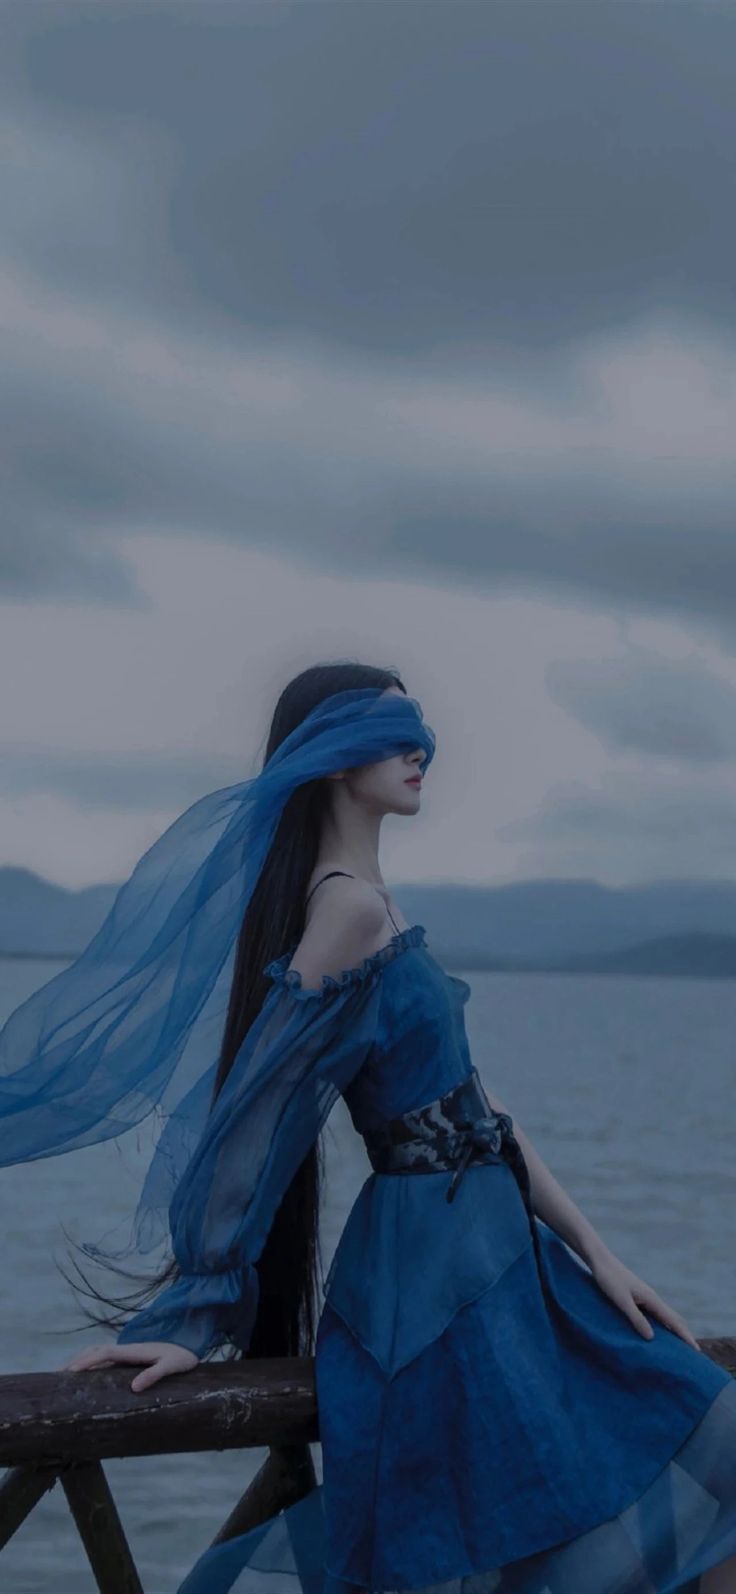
[
  {"x": 39, "y": 919},
  {"x": 535, "y": 920},
  {"x": 678, "y": 956},
  {"x": 674, "y": 927}
]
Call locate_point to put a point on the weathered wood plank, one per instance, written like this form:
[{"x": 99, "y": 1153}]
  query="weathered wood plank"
[
  {"x": 20, "y": 1490},
  {"x": 286, "y": 1476},
  {"x": 52, "y": 1419},
  {"x": 100, "y": 1528},
  {"x": 55, "y": 1418}
]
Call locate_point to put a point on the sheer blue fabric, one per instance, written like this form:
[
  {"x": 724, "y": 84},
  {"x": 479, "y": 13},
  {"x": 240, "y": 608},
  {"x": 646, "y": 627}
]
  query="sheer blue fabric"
[
  {"x": 682, "y": 1523},
  {"x": 300, "y": 1053},
  {"x": 133, "y": 1029}
]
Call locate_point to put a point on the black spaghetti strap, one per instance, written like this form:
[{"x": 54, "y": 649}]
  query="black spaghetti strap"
[
  {"x": 352, "y": 877},
  {"x": 328, "y": 877}
]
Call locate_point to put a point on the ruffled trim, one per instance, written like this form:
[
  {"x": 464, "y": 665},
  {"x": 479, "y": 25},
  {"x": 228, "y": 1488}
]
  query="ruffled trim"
[{"x": 278, "y": 971}]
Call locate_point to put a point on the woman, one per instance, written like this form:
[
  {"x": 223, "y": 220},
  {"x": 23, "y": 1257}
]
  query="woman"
[{"x": 492, "y": 1409}]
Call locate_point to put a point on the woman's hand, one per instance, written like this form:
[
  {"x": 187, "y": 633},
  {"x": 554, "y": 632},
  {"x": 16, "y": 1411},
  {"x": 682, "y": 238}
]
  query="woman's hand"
[
  {"x": 629, "y": 1292},
  {"x": 160, "y": 1358}
]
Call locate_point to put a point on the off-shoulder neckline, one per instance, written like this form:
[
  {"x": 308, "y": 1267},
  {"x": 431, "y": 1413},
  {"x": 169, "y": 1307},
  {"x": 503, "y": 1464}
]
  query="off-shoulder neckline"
[{"x": 413, "y": 935}]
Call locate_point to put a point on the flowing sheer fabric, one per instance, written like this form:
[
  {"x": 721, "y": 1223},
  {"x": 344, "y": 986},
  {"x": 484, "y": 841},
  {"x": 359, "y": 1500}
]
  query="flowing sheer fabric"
[
  {"x": 298, "y": 1056},
  {"x": 133, "y": 1027},
  {"x": 683, "y": 1523}
]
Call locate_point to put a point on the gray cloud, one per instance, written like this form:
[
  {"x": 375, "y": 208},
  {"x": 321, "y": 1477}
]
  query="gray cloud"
[
  {"x": 387, "y": 176},
  {"x": 136, "y": 782},
  {"x": 656, "y": 708},
  {"x": 638, "y": 825},
  {"x": 270, "y": 225},
  {"x": 353, "y": 470}
]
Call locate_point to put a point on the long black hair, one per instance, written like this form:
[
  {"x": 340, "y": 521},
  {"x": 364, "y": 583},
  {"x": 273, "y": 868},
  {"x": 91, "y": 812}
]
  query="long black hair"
[{"x": 289, "y": 1267}]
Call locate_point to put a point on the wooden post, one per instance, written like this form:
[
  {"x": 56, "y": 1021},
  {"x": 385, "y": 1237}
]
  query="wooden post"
[
  {"x": 286, "y": 1476},
  {"x": 20, "y": 1490},
  {"x": 100, "y": 1528}
]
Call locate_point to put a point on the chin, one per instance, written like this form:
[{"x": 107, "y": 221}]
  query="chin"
[{"x": 409, "y": 802}]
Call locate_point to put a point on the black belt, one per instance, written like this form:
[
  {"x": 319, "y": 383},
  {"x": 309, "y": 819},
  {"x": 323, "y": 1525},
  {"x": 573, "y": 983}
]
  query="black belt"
[{"x": 454, "y": 1132}]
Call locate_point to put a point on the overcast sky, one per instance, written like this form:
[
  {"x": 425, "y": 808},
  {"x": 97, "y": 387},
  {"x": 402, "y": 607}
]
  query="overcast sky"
[{"x": 388, "y": 330}]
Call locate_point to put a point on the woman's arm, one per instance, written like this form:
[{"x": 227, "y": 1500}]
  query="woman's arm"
[
  {"x": 555, "y": 1207},
  {"x": 552, "y": 1204},
  {"x": 304, "y": 1046}
]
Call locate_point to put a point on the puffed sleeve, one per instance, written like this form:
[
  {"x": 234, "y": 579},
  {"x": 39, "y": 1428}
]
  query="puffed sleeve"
[{"x": 298, "y": 1056}]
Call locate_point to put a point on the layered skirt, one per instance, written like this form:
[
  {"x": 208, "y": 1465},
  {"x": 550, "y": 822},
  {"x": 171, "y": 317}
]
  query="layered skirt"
[{"x": 490, "y": 1421}]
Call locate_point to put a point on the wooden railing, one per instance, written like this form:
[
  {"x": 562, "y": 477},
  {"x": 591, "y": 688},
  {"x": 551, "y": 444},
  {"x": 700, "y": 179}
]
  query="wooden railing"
[{"x": 61, "y": 1426}]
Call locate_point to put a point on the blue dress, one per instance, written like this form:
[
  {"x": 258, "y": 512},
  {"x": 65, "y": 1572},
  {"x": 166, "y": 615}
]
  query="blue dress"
[{"x": 480, "y": 1434}]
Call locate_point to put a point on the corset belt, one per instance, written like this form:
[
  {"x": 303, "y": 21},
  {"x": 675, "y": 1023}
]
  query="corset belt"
[{"x": 454, "y": 1132}]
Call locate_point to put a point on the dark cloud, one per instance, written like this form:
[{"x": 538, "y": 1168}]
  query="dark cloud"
[
  {"x": 656, "y": 708},
  {"x": 405, "y": 178},
  {"x": 637, "y": 825},
  {"x": 385, "y": 192},
  {"x": 125, "y": 780},
  {"x": 42, "y": 559}
]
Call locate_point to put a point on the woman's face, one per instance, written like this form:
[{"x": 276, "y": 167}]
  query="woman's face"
[{"x": 382, "y": 786}]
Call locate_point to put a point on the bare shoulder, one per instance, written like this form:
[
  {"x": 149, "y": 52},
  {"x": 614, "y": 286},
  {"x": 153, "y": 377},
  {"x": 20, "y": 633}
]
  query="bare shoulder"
[{"x": 347, "y": 923}]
